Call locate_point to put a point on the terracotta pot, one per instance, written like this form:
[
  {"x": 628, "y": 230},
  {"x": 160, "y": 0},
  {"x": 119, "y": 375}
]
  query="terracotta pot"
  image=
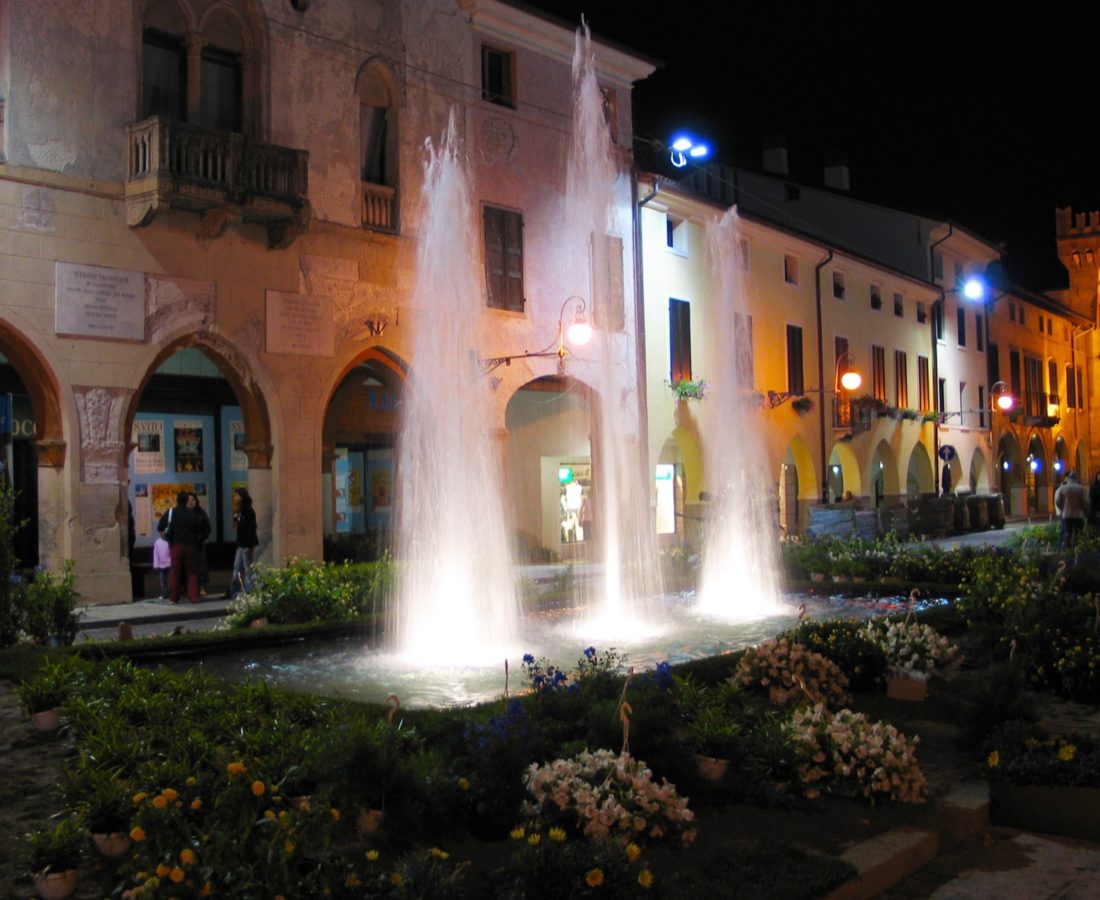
[
  {"x": 48, "y": 719},
  {"x": 300, "y": 802},
  {"x": 112, "y": 845},
  {"x": 370, "y": 820},
  {"x": 904, "y": 687},
  {"x": 817, "y": 576},
  {"x": 711, "y": 768},
  {"x": 55, "y": 885}
]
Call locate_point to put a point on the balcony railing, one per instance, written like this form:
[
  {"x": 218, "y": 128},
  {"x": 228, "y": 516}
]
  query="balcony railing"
[
  {"x": 379, "y": 207},
  {"x": 180, "y": 166}
]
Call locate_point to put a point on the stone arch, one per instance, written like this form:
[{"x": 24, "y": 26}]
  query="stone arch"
[
  {"x": 236, "y": 370},
  {"x": 1010, "y": 480},
  {"x": 1037, "y": 475},
  {"x": 919, "y": 478},
  {"x": 44, "y": 391},
  {"x": 797, "y": 486},
  {"x": 550, "y": 422},
  {"x": 844, "y": 472},
  {"x": 882, "y": 475},
  {"x": 979, "y": 473},
  {"x": 1061, "y": 462}
]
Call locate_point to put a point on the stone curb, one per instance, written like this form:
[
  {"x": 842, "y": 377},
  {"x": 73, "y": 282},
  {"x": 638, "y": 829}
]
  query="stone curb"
[{"x": 883, "y": 861}]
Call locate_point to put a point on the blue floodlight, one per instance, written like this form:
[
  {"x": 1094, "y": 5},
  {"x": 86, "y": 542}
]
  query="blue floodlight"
[
  {"x": 684, "y": 146},
  {"x": 973, "y": 288}
]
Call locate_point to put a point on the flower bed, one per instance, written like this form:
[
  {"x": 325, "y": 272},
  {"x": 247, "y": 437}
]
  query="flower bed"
[{"x": 791, "y": 672}]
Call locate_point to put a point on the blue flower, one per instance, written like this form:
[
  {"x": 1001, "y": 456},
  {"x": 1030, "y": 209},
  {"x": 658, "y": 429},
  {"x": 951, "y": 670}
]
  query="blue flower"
[
  {"x": 528, "y": 659},
  {"x": 590, "y": 652}
]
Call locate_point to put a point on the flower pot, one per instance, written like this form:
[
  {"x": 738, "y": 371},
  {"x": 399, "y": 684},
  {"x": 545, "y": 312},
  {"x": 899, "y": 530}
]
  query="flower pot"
[
  {"x": 906, "y": 687},
  {"x": 300, "y": 802},
  {"x": 711, "y": 768},
  {"x": 55, "y": 884},
  {"x": 47, "y": 719},
  {"x": 817, "y": 576},
  {"x": 370, "y": 820},
  {"x": 112, "y": 845}
]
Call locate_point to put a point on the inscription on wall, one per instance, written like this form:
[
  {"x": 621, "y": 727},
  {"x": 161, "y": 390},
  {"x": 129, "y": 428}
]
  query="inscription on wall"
[
  {"x": 299, "y": 324},
  {"x": 91, "y": 301}
]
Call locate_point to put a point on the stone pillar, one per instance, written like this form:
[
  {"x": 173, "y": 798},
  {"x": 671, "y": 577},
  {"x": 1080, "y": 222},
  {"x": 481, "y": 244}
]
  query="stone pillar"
[{"x": 54, "y": 538}]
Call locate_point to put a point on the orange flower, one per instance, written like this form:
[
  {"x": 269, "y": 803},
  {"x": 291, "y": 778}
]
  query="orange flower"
[
  {"x": 169, "y": 794},
  {"x": 594, "y": 878},
  {"x": 187, "y": 856},
  {"x": 207, "y": 890},
  {"x": 236, "y": 768},
  {"x": 177, "y": 875},
  {"x": 139, "y": 796},
  {"x": 159, "y": 801},
  {"x": 258, "y": 788},
  {"x": 163, "y": 870},
  {"x": 196, "y": 803},
  {"x": 137, "y": 834}
]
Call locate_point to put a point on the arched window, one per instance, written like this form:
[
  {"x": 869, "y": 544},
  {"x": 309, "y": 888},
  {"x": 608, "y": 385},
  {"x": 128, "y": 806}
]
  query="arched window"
[
  {"x": 378, "y": 160},
  {"x": 164, "y": 62}
]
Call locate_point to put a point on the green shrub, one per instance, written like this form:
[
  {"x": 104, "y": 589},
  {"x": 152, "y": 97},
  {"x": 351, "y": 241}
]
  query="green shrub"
[
  {"x": 9, "y": 613},
  {"x": 844, "y": 643},
  {"x": 47, "y": 604}
]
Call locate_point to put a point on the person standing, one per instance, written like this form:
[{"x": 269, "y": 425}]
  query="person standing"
[
  {"x": 202, "y": 533},
  {"x": 181, "y": 528},
  {"x": 1072, "y": 502},
  {"x": 247, "y": 540},
  {"x": 162, "y": 562}
]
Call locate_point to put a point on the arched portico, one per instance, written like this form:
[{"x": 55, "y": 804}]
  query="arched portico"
[
  {"x": 843, "y": 475},
  {"x": 798, "y": 486},
  {"x": 979, "y": 473},
  {"x": 1010, "y": 478},
  {"x": 1037, "y": 474},
  {"x": 919, "y": 477},
  {"x": 882, "y": 475}
]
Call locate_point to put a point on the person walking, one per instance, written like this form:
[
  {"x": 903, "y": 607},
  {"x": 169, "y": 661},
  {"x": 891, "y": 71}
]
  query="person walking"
[
  {"x": 181, "y": 528},
  {"x": 1072, "y": 502},
  {"x": 247, "y": 540}
]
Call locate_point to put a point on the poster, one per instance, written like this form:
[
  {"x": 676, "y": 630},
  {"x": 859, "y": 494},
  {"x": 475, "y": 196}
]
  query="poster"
[
  {"x": 238, "y": 458},
  {"x": 143, "y": 511},
  {"x": 381, "y": 489},
  {"x": 164, "y": 497},
  {"x": 148, "y": 434},
  {"x": 188, "y": 438}
]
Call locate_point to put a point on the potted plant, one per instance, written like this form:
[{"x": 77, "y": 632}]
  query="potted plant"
[
  {"x": 714, "y": 736},
  {"x": 54, "y": 855},
  {"x": 689, "y": 390},
  {"x": 48, "y": 605},
  {"x": 42, "y": 697},
  {"x": 107, "y": 813}
]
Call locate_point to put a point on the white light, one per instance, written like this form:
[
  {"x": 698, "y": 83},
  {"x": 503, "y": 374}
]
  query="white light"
[
  {"x": 851, "y": 380},
  {"x": 580, "y": 332},
  {"x": 1034, "y": 465},
  {"x": 699, "y": 151},
  {"x": 836, "y": 470},
  {"x": 1006, "y": 465},
  {"x": 1057, "y": 465},
  {"x": 682, "y": 144},
  {"x": 973, "y": 289},
  {"x": 1005, "y": 402}
]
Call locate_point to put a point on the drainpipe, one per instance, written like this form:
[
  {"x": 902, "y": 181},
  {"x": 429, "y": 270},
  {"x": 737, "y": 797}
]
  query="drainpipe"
[
  {"x": 821, "y": 376},
  {"x": 942, "y": 304}
]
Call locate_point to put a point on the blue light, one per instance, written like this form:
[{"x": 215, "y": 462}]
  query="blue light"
[{"x": 684, "y": 146}]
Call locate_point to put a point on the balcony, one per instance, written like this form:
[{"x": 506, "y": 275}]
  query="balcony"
[
  {"x": 379, "y": 207},
  {"x": 225, "y": 177}
]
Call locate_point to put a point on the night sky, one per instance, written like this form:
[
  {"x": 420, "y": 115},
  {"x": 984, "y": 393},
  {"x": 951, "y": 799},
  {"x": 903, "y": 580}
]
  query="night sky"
[{"x": 981, "y": 117}]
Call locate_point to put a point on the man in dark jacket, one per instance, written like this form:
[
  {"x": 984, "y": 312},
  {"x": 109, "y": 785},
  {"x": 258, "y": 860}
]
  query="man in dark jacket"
[{"x": 183, "y": 530}]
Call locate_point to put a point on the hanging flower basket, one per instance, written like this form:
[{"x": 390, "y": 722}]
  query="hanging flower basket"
[
  {"x": 689, "y": 390},
  {"x": 802, "y": 405}
]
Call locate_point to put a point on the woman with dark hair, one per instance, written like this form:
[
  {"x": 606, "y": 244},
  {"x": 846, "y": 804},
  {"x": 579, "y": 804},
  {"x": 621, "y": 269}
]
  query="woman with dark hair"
[{"x": 247, "y": 540}]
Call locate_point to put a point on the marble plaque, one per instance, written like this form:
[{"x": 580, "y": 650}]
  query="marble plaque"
[
  {"x": 90, "y": 301},
  {"x": 299, "y": 324}
]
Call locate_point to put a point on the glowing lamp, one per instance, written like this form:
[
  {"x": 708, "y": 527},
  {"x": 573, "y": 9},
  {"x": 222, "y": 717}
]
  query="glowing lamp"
[
  {"x": 685, "y": 147},
  {"x": 973, "y": 289},
  {"x": 846, "y": 377}
]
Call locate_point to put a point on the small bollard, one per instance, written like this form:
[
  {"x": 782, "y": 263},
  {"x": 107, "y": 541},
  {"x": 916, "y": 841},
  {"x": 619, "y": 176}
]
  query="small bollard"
[{"x": 125, "y": 631}]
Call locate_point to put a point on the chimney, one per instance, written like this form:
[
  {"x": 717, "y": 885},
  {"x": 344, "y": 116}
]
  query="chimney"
[
  {"x": 836, "y": 171},
  {"x": 775, "y": 154}
]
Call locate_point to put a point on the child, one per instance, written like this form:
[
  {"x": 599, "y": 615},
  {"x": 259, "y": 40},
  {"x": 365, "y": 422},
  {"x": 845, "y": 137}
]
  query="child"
[{"x": 162, "y": 562}]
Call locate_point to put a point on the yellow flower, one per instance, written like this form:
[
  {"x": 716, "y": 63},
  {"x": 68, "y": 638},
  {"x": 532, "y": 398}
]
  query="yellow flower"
[
  {"x": 236, "y": 768},
  {"x": 439, "y": 854},
  {"x": 163, "y": 870},
  {"x": 284, "y": 817},
  {"x": 397, "y": 879},
  {"x": 463, "y": 784},
  {"x": 557, "y": 835},
  {"x": 288, "y": 847},
  {"x": 169, "y": 794},
  {"x": 517, "y": 833},
  {"x": 258, "y": 788},
  {"x": 139, "y": 796},
  {"x": 196, "y": 803},
  {"x": 351, "y": 881},
  {"x": 269, "y": 814},
  {"x": 159, "y": 801},
  {"x": 191, "y": 781},
  {"x": 594, "y": 878},
  {"x": 993, "y": 760},
  {"x": 335, "y": 813},
  {"x": 645, "y": 879},
  {"x": 372, "y": 855},
  {"x": 177, "y": 875},
  {"x": 1066, "y": 752},
  {"x": 633, "y": 851},
  {"x": 137, "y": 834},
  {"x": 207, "y": 890},
  {"x": 187, "y": 856},
  {"x": 533, "y": 839}
]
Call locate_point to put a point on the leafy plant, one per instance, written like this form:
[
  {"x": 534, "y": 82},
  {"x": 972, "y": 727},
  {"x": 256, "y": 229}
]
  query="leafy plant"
[
  {"x": 843, "y": 642},
  {"x": 689, "y": 390},
  {"x": 56, "y": 848},
  {"x": 792, "y": 673},
  {"x": 1025, "y": 754},
  {"x": 9, "y": 614},
  {"x": 48, "y": 604},
  {"x": 46, "y": 690}
]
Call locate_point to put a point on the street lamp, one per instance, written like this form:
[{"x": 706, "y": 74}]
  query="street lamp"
[
  {"x": 845, "y": 375},
  {"x": 579, "y": 333},
  {"x": 684, "y": 147},
  {"x": 1002, "y": 398}
]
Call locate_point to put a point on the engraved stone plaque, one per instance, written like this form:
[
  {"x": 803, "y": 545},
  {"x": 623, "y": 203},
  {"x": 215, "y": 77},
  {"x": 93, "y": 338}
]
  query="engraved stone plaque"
[
  {"x": 91, "y": 301},
  {"x": 299, "y": 324}
]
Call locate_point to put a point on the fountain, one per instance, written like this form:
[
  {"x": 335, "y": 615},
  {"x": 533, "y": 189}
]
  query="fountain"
[
  {"x": 456, "y": 599},
  {"x": 627, "y": 543},
  {"x": 739, "y": 554}
]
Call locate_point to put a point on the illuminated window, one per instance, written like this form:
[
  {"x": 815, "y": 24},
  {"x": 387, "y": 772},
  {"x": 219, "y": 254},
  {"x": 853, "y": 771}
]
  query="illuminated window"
[
  {"x": 878, "y": 373},
  {"x": 901, "y": 379}
]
